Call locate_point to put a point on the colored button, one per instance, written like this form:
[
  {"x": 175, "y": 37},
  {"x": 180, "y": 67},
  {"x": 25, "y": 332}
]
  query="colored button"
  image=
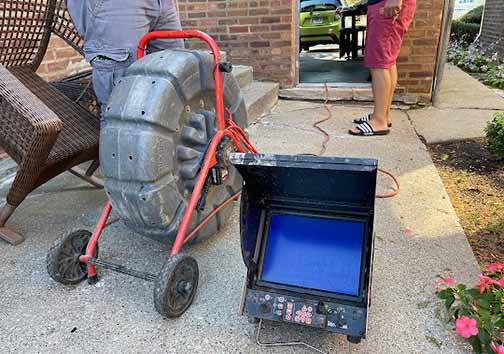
[
  {"x": 298, "y": 313},
  {"x": 304, "y": 308},
  {"x": 289, "y": 305},
  {"x": 267, "y": 297},
  {"x": 310, "y": 309},
  {"x": 281, "y": 299},
  {"x": 288, "y": 317},
  {"x": 280, "y": 306},
  {"x": 279, "y": 313},
  {"x": 309, "y": 315},
  {"x": 308, "y": 321},
  {"x": 296, "y": 319}
]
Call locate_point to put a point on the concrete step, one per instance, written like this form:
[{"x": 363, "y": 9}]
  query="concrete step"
[
  {"x": 260, "y": 97},
  {"x": 317, "y": 92},
  {"x": 243, "y": 74}
]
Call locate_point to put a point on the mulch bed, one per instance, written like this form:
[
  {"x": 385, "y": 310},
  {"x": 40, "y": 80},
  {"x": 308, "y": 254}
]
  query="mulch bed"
[{"x": 474, "y": 180}]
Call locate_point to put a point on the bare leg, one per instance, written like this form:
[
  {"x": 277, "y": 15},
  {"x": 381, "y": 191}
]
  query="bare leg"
[
  {"x": 381, "y": 84},
  {"x": 393, "y": 79}
]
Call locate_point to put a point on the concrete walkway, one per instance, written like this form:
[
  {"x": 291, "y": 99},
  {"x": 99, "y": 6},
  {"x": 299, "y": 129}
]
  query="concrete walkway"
[
  {"x": 418, "y": 237},
  {"x": 463, "y": 108}
]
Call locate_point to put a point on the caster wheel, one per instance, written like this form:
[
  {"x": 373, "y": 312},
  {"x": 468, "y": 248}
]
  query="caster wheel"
[
  {"x": 62, "y": 260},
  {"x": 176, "y": 286},
  {"x": 354, "y": 339},
  {"x": 253, "y": 320}
]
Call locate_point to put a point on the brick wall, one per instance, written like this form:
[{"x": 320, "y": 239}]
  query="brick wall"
[
  {"x": 259, "y": 33},
  {"x": 262, "y": 33},
  {"x": 492, "y": 29},
  {"x": 417, "y": 61},
  {"x": 60, "y": 61}
]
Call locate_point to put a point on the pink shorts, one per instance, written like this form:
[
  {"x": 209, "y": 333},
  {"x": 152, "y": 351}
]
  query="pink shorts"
[{"x": 384, "y": 37}]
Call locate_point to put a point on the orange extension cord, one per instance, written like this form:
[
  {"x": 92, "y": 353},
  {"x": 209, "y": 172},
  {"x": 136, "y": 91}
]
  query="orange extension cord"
[
  {"x": 327, "y": 137},
  {"x": 238, "y": 137}
]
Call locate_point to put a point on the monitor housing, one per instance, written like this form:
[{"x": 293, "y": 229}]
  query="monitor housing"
[{"x": 307, "y": 240}]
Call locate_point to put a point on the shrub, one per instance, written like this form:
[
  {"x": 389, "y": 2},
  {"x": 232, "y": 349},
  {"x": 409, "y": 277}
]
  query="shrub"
[
  {"x": 495, "y": 135},
  {"x": 478, "y": 312},
  {"x": 473, "y": 16},
  {"x": 495, "y": 76},
  {"x": 464, "y": 32}
]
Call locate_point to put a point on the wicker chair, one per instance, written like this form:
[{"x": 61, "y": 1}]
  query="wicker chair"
[{"x": 42, "y": 128}]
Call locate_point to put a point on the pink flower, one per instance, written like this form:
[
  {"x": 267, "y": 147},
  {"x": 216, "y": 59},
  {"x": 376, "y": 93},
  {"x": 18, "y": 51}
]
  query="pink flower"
[
  {"x": 466, "y": 327},
  {"x": 497, "y": 350},
  {"x": 492, "y": 268},
  {"x": 484, "y": 283},
  {"x": 447, "y": 280},
  {"x": 500, "y": 283}
]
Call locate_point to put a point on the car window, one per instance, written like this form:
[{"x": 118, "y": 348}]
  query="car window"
[{"x": 310, "y": 5}]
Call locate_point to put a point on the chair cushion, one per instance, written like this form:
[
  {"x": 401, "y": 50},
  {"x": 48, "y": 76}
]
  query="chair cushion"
[{"x": 81, "y": 129}]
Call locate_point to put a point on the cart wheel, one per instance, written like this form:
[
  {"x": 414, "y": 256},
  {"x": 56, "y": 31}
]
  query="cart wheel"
[
  {"x": 252, "y": 320},
  {"x": 354, "y": 339},
  {"x": 62, "y": 260},
  {"x": 176, "y": 285}
]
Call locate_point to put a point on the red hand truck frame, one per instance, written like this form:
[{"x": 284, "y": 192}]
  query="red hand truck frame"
[{"x": 225, "y": 128}]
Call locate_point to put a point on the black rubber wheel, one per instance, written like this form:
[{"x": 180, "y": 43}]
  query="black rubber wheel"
[
  {"x": 62, "y": 260},
  {"x": 176, "y": 286},
  {"x": 252, "y": 320},
  {"x": 158, "y": 124},
  {"x": 354, "y": 339}
]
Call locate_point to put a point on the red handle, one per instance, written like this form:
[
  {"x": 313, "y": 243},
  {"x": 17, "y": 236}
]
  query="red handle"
[{"x": 179, "y": 35}]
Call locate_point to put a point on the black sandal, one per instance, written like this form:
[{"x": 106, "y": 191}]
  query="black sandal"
[
  {"x": 365, "y": 119},
  {"x": 365, "y": 129}
]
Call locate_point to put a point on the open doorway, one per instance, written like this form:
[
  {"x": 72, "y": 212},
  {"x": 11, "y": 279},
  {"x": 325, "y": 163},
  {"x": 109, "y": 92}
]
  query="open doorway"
[{"x": 332, "y": 38}]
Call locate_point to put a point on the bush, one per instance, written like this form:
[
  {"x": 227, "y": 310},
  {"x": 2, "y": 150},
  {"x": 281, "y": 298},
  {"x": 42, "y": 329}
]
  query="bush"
[
  {"x": 495, "y": 135},
  {"x": 495, "y": 76},
  {"x": 473, "y": 16},
  {"x": 464, "y": 32},
  {"x": 477, "y": 312}
]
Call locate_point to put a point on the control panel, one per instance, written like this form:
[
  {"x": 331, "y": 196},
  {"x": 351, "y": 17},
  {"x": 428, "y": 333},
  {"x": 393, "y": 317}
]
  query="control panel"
[{"x": 331, "y": 316}]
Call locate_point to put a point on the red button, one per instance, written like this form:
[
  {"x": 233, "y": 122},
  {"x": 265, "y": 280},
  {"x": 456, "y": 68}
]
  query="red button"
[
  {"x": 281, "y": 299},
  {"x": 288, "y": 317}
]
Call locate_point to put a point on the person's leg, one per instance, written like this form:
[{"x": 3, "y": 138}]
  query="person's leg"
[
  {"x": 112, "y": 32},
  {"x": 381, "y": 86},
  {"x": 381, "y": 83},
  {"x": 393, "y": 80}
]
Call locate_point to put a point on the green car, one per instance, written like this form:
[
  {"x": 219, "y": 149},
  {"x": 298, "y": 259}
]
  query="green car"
[{"x": 320, "y": 22}]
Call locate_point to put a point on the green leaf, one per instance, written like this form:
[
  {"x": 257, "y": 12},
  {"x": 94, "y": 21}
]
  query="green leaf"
[
  {"x": 449, "y": 302},
  {"x": 475, "y": 344},
  {"x": 484, "y": 303},
  {"x": 483, "y": 337},
  {"x": 473, "y": 292},
  {"x": 461, "y": 287},
  {"x": 444, "y": 294}
]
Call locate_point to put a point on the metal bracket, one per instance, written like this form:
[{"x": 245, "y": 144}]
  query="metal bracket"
[{"x": 289, "y": 344}]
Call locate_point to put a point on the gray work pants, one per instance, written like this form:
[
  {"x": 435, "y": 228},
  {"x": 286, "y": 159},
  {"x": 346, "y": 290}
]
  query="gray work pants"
[{"x": 112, "y": 29}]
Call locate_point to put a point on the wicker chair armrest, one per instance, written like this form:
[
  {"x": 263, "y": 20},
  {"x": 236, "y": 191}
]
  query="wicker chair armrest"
[
  {"x": 27, "y": 125},
  {"x": 28, "y": 130}
]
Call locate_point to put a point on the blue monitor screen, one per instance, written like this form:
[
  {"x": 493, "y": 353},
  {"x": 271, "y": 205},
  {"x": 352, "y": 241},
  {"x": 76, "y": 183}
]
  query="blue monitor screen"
[{"x": 314, "y": 253}]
